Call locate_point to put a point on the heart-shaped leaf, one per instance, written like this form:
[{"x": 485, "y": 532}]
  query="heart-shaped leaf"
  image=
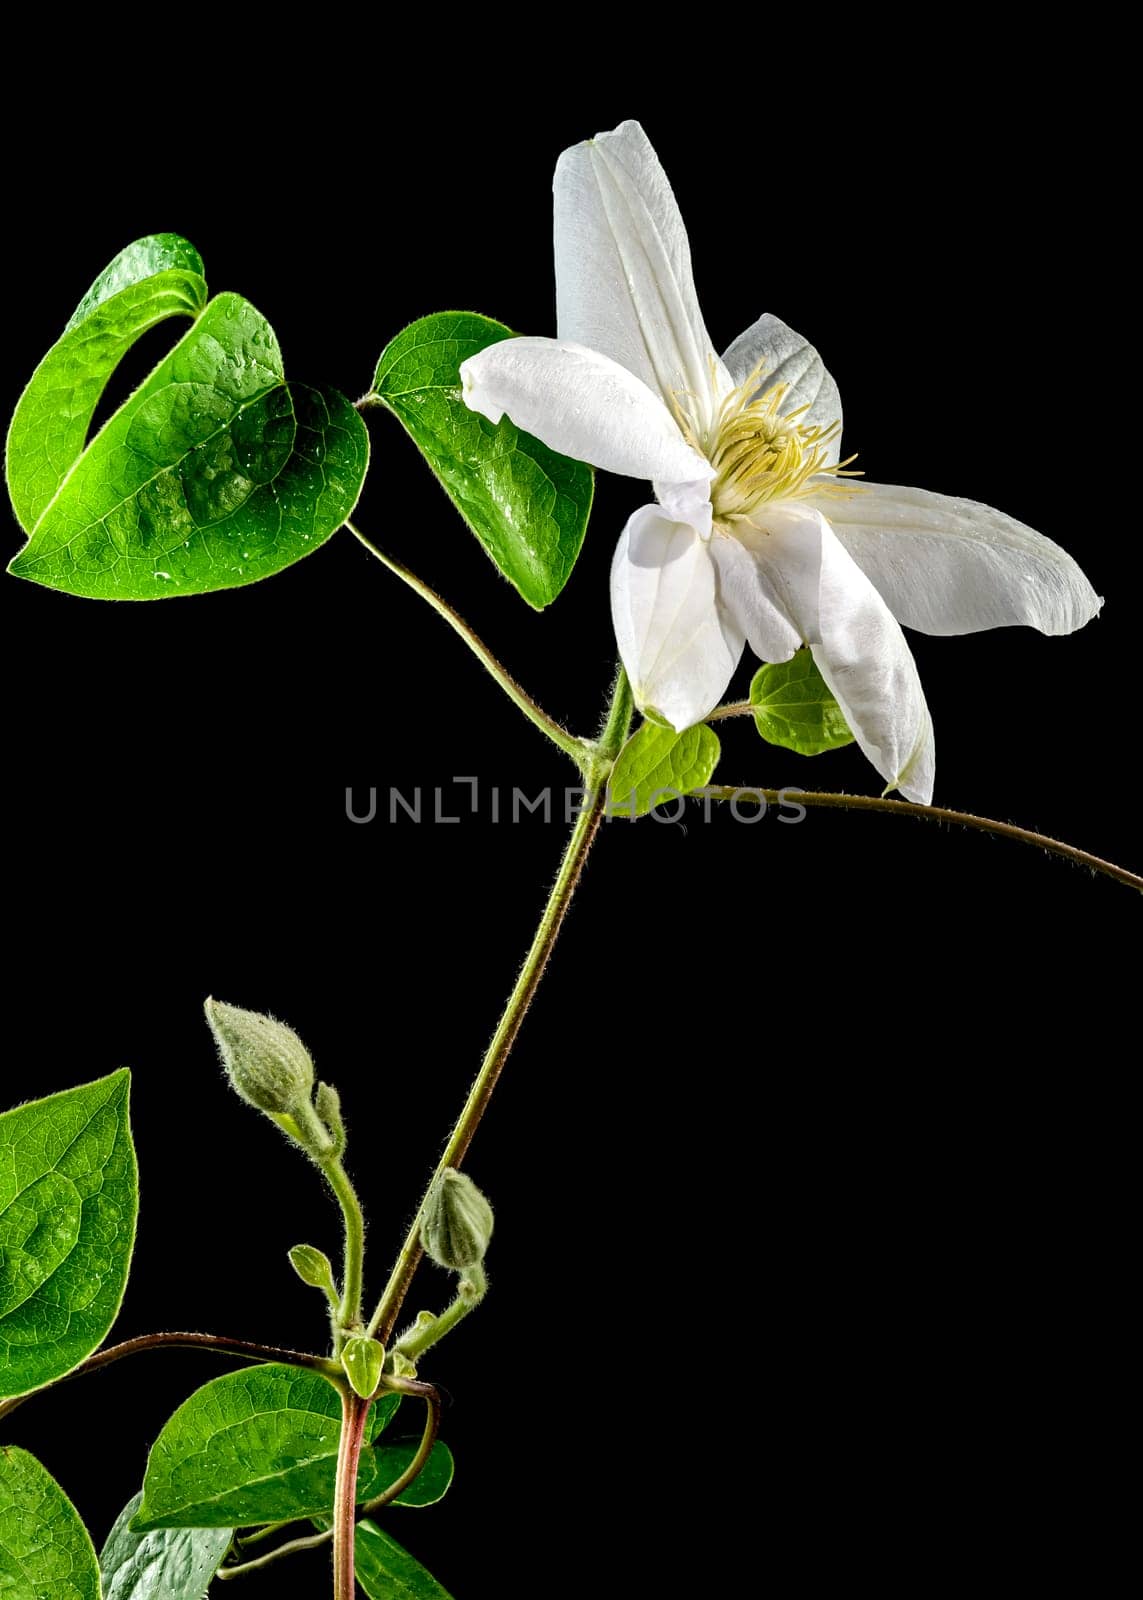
[
  {"x": 793, "y": 707},
  {"x": 214, "y": 474},
  {"x": 657, "y": 765},
  {"x": 527, "y": 505}
]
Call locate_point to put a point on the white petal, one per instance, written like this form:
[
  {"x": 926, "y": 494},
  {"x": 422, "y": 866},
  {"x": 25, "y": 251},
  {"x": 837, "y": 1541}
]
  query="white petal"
[
  {"x": 956, "y": 566},
  {"x": 788, "y": 358},
  {"x": 687, "y": 502},
  {"x": 581, "y": 404},
  {"x": 679, "y": 648},
  {"x": 624, "y": 283},
  {"x": 748, "y": 594},
  {"x": 857, "y": 644}
]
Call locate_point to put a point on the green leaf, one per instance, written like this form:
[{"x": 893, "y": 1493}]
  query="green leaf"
[
  {"x": 793, "y": 707},
  {"x": 527, "y": 506},
  {"x": 252, "y": 1447},
  {"x": 313, "y": 1267},
  {"x": 168, "y": 1564},
  {"x": 657, "y": 764},
  {"x": 390, "y": 1460},
  {"x": 362, "y": 1360},
  {"x": 45, "y": 1551},
  {"x": 214, "y": 474},
  {"x": 387, "y": 1572},
  {"x": 69, "y": 1198},
  {"x": 154, "y": 278}
]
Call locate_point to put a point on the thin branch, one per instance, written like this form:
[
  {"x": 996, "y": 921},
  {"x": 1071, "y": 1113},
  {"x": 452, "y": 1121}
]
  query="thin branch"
[
  {"x": 580, "y": 750},
  {"x": 736, "y": 708},
  {"x": 583, "y": 835},
  {"x": 313, "y": 1542},
  {"x": 428, "y": 1438},
  {"x": 244, "y": 1349},
  {"x": 909, "y": 808},
  {"x": 615, "y": 729}
]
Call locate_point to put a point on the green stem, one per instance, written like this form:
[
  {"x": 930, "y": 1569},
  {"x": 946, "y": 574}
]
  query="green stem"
[
  {"x": 736, "y": 708},
  {"x": 909, "y": 808},
  {"x": 267, "y": 1532},
  {"x": 421, "y": 1337},
  {"x": 242, "y": 1348},
  {"x": 578, "y": 749},
  {"x": 354, "y": 1415},
  {"x": 314, "y": 1541},
  {"x": 582, "y": 838},
  {"x": 352, "y": 1281}
]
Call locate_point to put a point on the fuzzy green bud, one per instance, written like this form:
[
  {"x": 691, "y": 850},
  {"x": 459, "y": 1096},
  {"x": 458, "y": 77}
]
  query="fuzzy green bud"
[
  {"x": 327, "y": 1104},
  {"x": 456, "y": 1223},
  {"x": 265, "y": 1061},
  {"x": 314, "y": 1267},
  {"x": 363, "y": 1358}
]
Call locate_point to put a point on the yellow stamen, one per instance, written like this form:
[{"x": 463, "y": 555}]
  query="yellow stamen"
[{"x": 761, "y": 453}]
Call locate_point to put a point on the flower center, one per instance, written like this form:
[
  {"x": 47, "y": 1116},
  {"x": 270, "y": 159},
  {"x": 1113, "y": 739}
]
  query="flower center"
[{"x": 759, "y": 452}]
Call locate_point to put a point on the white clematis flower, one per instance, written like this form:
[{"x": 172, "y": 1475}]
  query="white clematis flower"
[{"x": 757, "y": 533}]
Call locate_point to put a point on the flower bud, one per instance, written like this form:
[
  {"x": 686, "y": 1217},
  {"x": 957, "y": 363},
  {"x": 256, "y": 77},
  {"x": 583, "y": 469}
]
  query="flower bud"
[
  {"x": 327, "y": 1104},
  {"x": 314, "y": 1267},
  {"x": 265, "y": 1061},
  {"x": 456, "y": 1223},
  {"x": 362, "y": 1358}
]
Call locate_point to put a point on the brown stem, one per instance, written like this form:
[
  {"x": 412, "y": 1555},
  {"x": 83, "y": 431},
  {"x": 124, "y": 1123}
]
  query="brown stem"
[
  {"x": 244, "y": 1349},
  {"x": 354, "y": 1414},
  {"x": 909, "y": 808}
]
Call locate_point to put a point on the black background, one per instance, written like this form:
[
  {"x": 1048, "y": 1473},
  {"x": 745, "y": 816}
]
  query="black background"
[{"x": 807, "y": 1169}]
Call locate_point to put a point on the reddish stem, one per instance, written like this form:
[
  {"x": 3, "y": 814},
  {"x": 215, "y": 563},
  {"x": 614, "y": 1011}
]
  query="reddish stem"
[{"x": 354, "y": 1415}]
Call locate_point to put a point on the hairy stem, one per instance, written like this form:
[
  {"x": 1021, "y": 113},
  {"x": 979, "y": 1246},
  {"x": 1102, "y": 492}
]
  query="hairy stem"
[
  {"x": 578, "y": 749},
  {"x": 736, "y": 708},
  {"x": 244, "y": 1349},
  {"x": 421, "y": 1337},
  {"x": 582, "y": 838},
  {"x": 909, "y": 808},
  {"x": 349, "y": 1311},
  {"x": 354, "y": 1414}
]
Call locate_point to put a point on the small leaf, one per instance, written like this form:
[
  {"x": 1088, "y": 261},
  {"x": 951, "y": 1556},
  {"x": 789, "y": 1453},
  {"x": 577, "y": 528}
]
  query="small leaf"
[
  {"x": 793, "y": 707},
  {"x": 168, "y": 1564},
  {"x": 362, "y": 1360},
  {"x": 69, "y": 1198},
  {"x": 387, "y": 1572},
  {"x": 313, "y": 1267},
  {"x": 527, "y": 506},
  {"x": 252, "y": 1447},
  {"x": 45, "y": 1550},
  {"x": 657, "y": 764},
  {"x": 154, "y": 278},
  {"x": 214, "y": 474}
]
